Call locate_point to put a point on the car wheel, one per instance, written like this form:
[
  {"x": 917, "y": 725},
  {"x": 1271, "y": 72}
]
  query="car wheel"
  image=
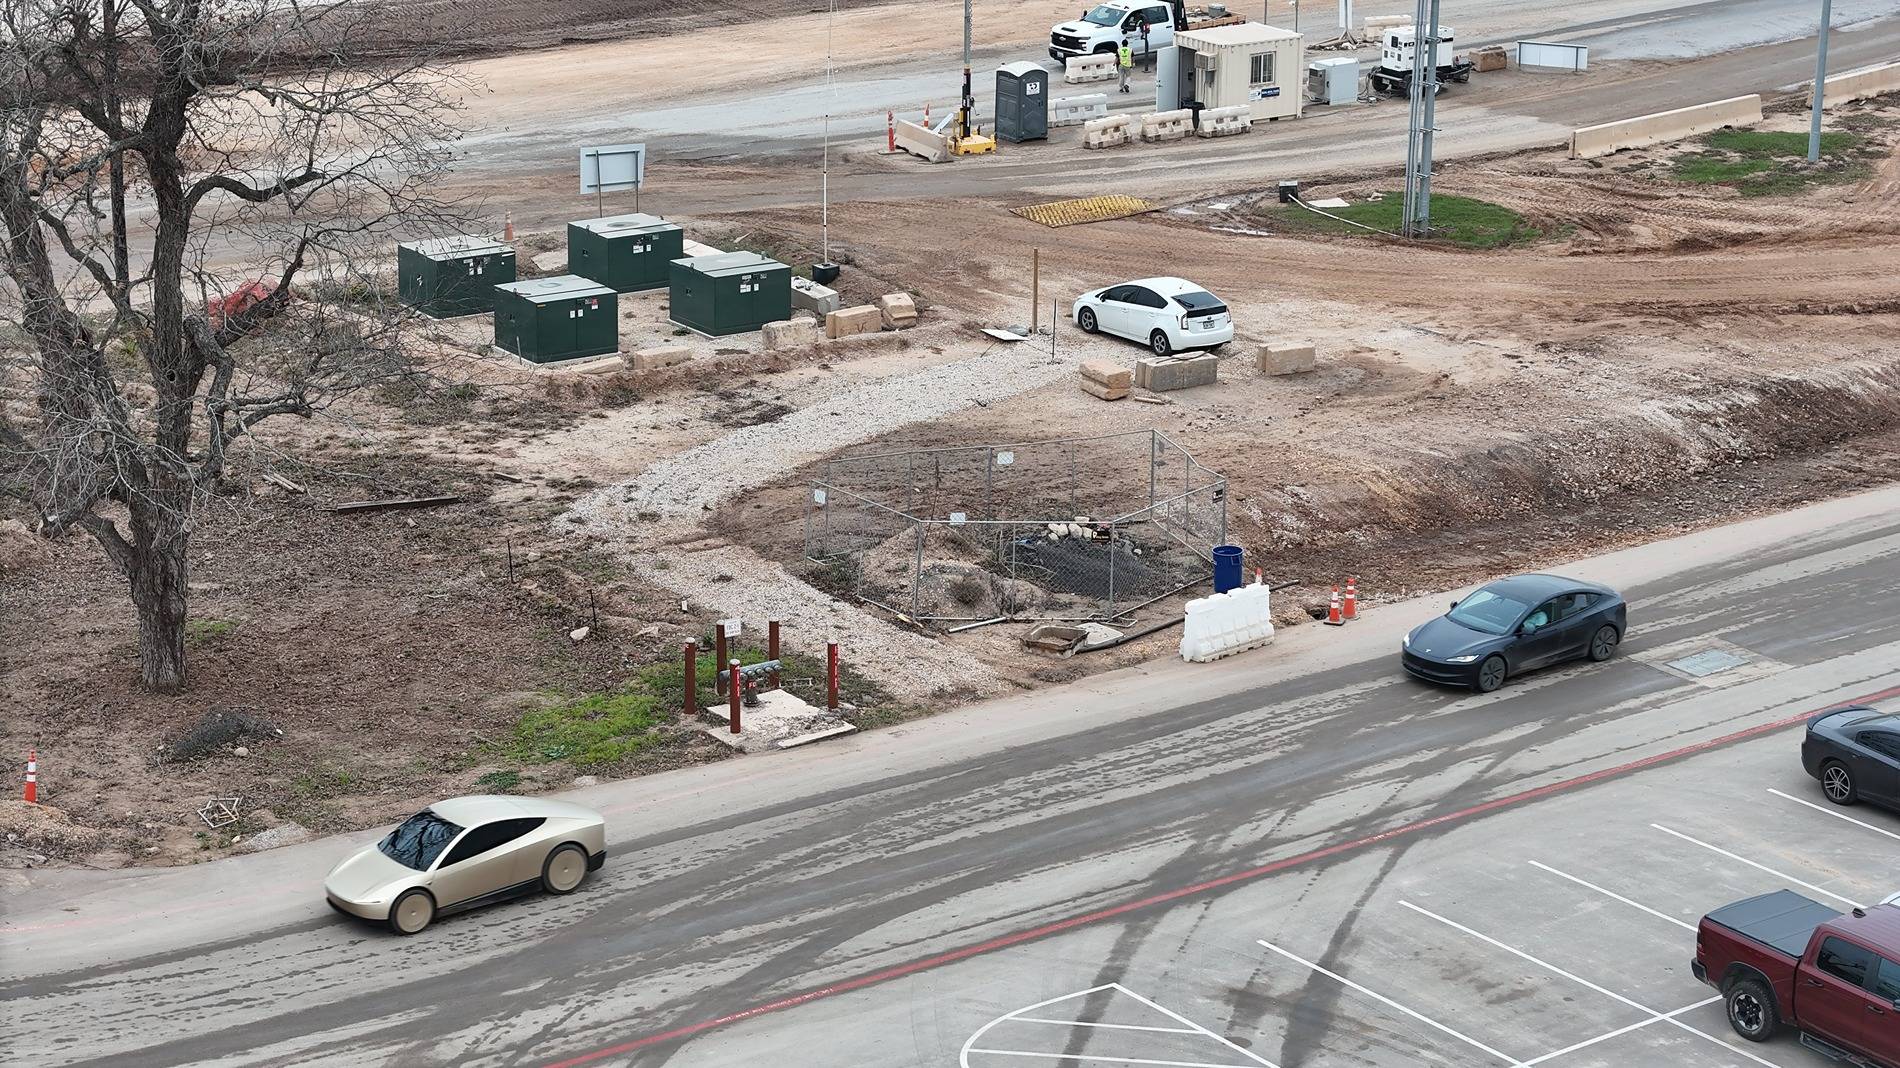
[
  {"x": 1158, "y": 342},
  {"x": 1603, "y": 643},
  {"x": 564, "y": 869},
  {"x": 1751, "y": 1011},
  {"x": 1086, "y": 320},
  {"x": 1490, "y": 674},
  {"x": 1838, "y": 783},
  {"x": 413, "y": 911}
]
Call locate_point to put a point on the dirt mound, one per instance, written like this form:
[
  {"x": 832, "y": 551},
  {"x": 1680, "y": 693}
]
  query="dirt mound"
[{"x": 46, "y": 830}]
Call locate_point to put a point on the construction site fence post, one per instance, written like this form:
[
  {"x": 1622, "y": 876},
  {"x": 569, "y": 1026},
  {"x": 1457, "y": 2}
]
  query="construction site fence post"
[
  {"x": 719, "y": 654},
  {"x": 771, "y": 649},
  {"x": 733, "y": 689},
  {"x": 692, "y": 679},
  {"x": 831, "y": 676}
]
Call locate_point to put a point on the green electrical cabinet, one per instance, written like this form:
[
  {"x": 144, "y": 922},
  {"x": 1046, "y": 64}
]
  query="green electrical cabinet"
[
  {"x": 625, "y": 253},
  {"x": 546, "y": 320},
  {"x": 450, "y": 276},
  {"x": 730, "y": 293}
]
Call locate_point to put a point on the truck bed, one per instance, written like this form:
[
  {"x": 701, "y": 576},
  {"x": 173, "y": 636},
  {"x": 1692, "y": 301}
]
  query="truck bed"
[{"x": 1782, "y": 921}]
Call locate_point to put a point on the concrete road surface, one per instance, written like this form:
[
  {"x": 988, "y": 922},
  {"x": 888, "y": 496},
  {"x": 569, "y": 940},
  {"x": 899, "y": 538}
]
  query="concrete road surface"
[{"x": 1294, "y": 857}]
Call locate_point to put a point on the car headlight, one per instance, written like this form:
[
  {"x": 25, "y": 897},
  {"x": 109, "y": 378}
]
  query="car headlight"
[
  {"x": 1405, "y": 642},
  {"x": 1463, "y": 659}
]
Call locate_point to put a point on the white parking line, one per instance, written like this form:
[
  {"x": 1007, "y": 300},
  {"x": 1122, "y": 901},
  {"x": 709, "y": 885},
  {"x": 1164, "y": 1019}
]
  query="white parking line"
[
  {"x": 1607, "y": 1035},
  {"x": 1109, "y": 1026},
  {"x": 1084, "y": 1058},
  {"x": 1188, "y": 1027},
  {"x": 1580, "y": 981},
  {"x": 1614, "y": 896},
  {"x": 1389, "y": 1003},
  {"x": 1836, "y": 815},
  {"x": 1761, "y": 867}
]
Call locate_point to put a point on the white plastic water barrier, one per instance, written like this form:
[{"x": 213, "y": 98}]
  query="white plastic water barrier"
[
  {"x": 1227, "y": 623},
  {"x": 1076, "y": 110}
]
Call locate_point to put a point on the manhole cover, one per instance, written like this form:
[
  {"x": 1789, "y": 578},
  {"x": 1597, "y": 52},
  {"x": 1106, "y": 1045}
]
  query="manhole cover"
[{"x": 1707, "y": 663}]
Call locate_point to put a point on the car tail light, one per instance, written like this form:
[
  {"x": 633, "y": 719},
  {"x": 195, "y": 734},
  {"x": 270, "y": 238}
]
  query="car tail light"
[{"x": 1183, "y": 320}]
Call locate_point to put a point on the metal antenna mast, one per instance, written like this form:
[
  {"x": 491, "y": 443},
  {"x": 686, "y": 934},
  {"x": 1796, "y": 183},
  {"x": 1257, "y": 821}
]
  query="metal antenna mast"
[
  {"x": 1820, "y": 83},
  {"x": 824, "y": 178},
  {"x": 1418, "y": 149},
  {"x": 969, "y": 102}
]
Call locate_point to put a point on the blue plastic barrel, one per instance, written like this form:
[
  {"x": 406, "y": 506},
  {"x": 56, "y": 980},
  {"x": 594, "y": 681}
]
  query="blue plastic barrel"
[{"x": 1228, "y": 567}]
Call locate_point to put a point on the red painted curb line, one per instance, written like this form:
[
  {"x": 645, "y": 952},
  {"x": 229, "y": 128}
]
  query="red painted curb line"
[{"x": 1059, "y": 926}]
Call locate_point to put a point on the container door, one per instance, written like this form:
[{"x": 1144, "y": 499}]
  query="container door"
[
  {"x": 1035, "y": 105},
  {"x": 1168, "y": 95}
]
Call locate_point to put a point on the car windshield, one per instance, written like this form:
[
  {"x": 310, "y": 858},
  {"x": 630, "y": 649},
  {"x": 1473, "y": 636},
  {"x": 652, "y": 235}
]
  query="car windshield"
[
  {"x": 1489, "y": 612},
  {"x": 421, "y": 838},
  {"x": 1104, "y": 15},
  {"x": 1200, "y": 303}
]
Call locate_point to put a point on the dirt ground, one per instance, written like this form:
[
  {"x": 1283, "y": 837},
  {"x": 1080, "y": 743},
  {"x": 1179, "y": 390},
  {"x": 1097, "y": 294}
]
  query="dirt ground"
[{"x": 1676, "y": 356}]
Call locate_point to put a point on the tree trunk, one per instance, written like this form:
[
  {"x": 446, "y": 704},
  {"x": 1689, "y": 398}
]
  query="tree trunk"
[{"x": 158, "y": 571}]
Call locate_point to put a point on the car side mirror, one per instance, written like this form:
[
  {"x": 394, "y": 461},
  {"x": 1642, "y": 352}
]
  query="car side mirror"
[{"x": 1454, "y": 604}]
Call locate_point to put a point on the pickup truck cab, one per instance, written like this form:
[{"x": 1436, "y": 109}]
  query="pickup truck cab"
[
  {"x": 1781, "y": 958},
  {"x": 1103, "y": 27}
]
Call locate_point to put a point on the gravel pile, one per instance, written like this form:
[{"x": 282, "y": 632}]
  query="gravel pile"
[{"x": 683, "y": 488}]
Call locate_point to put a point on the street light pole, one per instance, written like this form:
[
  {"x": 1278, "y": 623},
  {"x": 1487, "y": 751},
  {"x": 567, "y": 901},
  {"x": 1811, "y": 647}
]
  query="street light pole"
[{"x": 1820, "y": 83}]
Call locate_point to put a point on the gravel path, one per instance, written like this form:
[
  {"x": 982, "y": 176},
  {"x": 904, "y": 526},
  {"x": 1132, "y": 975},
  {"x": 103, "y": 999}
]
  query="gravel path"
[{"x": 683, "y": 488}]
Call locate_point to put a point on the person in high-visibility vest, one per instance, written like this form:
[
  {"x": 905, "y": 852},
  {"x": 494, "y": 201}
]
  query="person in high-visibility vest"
[{"x": 1126, "y": 57}]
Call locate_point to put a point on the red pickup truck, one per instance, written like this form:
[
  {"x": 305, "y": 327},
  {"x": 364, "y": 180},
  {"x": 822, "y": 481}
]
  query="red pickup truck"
[{"x": 1783, "y": 959}]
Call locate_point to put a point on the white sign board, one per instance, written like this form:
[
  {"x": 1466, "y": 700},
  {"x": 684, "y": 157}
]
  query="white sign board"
[
  {"x": 733, "y": 628},
  {"x": 607, "y": 168},
  {"x": 1548, "y": 56}
]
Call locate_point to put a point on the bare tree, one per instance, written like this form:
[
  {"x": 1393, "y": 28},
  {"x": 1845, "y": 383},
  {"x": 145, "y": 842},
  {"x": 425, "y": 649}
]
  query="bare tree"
[{"x": 187, "y": 191}]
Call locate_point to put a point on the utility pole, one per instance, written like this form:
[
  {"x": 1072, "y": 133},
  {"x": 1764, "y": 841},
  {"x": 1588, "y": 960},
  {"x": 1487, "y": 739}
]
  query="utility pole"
[
  {"x": 1418, "y": 149},
  {"x": 969, "y": 102},
  {"x": 1820, "y": 83}
]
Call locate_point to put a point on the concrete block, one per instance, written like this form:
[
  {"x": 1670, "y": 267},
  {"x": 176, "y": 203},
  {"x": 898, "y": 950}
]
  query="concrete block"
[
  {"x": 1490, "y": 57},
  {"x": 1076, "y": 110},
  {"x": 1226, "y": 122},
  {"x": 1107, "y": 393},
  {"x": 1107, "y": 373},
  {"x": 920, "y": 141},
  {"x": 1082, "y": 69},
  {"x": 1105, "y": 133},
  {"x": 555, "y": 261},
  {"x": 808, "y": 295},
  {"x": 690, "y": 248},
  {"x": 1167, "y": 125},
  {"x": 898, "y": 310},
  {"x": 1858, "y": 84},
  {"x": 1161, "y": 375},
  {"x": 1286, "y": 359},
  {"x": 656, "y": 358},
  {"x": 863, "y": 319},
  {"x": 1664, "y": 126},
  {"x": 790, "y": 334}
]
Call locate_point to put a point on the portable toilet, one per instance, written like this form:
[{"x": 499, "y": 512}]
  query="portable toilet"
[
  {"x": 625, "y": 253},
  {"x": 1022, "y": 102},
  {"x": 547, "y": 320},
  {"x": 449, "y": 276},
  {"x": 1227, "y": 66},
  {"x": 730, "y": 293}
]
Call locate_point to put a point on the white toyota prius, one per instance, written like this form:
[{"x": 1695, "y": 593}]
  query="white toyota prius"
[{"x": 1166, "y": 314}]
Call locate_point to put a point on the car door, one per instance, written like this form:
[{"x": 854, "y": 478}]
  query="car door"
[
  {"x": 1835, "y": 998},
  {"x": 1160, "y": 27},
  {"x": 1875, "y": 761},
  {"x": 1883, "y": 1024},
  {"x": 1111, "y": 310},
  {"x": 1538, "y": 635},
  {"x": 1146, "y": 308},
  {"x": 479, "y": 862},
  {"x": 1576, "y": 624}
]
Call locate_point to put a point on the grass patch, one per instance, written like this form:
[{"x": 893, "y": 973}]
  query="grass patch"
[
  {"x": 1759, "y": 163},
  {"x": 1460, "y": 221},
  {"x": 206, "y": 631},
  {"x": 499, "y": 782}
]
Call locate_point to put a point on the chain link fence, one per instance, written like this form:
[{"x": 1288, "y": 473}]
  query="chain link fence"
[{"x": 1076, "y": 528}]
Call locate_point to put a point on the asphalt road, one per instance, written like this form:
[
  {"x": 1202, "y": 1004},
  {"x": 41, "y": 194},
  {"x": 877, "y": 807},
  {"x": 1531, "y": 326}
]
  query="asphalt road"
[{"x": 890, "y": 884}]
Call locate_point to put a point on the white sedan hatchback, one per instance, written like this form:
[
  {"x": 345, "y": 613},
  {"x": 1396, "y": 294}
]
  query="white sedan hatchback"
[{"x": 1166, "y": 314}]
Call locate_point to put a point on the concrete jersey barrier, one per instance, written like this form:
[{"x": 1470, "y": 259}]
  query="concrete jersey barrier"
[
  {"x": 1095, "y": 68},
  {"x": 1076, "y": 110},
  {"x": 1105, "y": 132},
  {"x": 1664, "y": 126},
  {"x": 918, "y": 141},
  {"x": 1167, "y": 125},
  {"x": 1860, "y": 84}
]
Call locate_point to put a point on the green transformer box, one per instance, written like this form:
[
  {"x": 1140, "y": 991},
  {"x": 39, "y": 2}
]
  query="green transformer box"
[
  {"x": 450, "y": 276},
  {"x": 547, "y": 320},
  {"x": 625, "y": 253},
  {"x": 730, "y": 293}
]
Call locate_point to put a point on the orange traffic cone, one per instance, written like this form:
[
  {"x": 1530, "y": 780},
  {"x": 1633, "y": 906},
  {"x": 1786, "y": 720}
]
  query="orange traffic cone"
[
  {"x": 508, "y": 226},
  {"x": 1333, "y": 618},
  {"x": 32, "y": 777},
  {"x": 1351, "y": 608}
]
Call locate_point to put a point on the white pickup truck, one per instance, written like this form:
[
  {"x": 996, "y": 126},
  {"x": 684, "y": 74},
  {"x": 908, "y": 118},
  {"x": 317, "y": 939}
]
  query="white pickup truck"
[{"x": 1104, "y": 27}]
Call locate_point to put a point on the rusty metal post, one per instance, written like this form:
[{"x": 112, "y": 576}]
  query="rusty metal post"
[
  {"x": 733, "y": 688},
  {"x": 771, "y": 649},
  {"x": 831, "y": 676},
  {"x": 692, "y": 678},
  {"x": 719, "y": 655}
]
